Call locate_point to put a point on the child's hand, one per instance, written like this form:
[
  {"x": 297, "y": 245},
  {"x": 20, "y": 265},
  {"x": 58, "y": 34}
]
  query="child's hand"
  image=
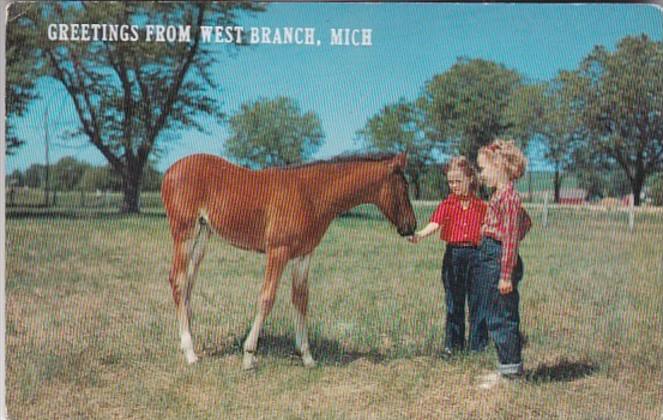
[
  {"x": 505, "y": 287},
  {"x": 413, "y": 238}
]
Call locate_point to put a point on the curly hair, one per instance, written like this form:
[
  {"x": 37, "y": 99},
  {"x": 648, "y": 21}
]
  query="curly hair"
[
  {"x": 462, "y": 164},
  {"x": 505, "y": 154}
]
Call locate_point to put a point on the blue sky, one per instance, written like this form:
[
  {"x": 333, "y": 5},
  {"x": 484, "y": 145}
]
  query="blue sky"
[{"x": 347, "y": 85}]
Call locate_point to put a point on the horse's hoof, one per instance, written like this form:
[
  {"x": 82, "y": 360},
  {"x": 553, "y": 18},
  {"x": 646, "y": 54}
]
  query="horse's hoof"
[
  {"x": 308, "y": 361},
  {"x": 191, "y": 358},
  {"x": 489, "y": 381},
  {"x": 249, "y": 362}
]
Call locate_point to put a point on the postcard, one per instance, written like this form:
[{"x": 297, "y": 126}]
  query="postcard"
[{"x": 333, "y": 210}]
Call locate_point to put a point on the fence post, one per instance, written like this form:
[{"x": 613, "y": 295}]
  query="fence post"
[
  {"x": 631, "y": 212},
  {"x": 545, "y": 209}
]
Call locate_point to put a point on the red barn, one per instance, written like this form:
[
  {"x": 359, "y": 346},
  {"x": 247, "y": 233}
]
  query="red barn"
[{"x": 572, "y": 196}]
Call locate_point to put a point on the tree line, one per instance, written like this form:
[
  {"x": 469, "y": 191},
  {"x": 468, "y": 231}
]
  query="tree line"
[
  {"x": 589, "y": 122},
  {"x": 132, "y": 99},
  {"x": 604, "y": 116},
  {"x": 70, "y": 174}
]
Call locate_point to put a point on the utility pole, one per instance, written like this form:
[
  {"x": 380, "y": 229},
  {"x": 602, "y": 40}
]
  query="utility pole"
[
  {"x": 46, "y": 191},
  {"x": 529, "y": 186}
]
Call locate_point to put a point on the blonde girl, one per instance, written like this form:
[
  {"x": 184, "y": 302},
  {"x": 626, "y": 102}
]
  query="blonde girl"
[{"x": 499, "y": 267}]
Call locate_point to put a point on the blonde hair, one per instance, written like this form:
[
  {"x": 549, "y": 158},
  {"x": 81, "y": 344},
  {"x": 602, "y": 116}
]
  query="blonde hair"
[
  {"x": 462, "y": 164},
  {"x": 506, "y": 155}
]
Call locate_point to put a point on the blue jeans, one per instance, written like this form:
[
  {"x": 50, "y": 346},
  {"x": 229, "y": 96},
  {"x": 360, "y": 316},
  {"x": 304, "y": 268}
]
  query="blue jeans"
[
  {"x": 502, "y": 310},
  {"x": 459, "y": 284}
]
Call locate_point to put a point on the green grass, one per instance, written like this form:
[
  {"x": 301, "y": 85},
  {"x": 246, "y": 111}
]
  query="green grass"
[{"x": 91, "y": 328}]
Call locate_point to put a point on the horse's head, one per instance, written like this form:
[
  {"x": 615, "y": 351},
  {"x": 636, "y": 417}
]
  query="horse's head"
[{"x": 394, "y": 200}]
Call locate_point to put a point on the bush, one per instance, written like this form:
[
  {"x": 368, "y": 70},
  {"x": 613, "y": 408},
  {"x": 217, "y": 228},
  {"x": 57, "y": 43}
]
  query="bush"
[
  {"x": 656, "y": 190},
  {"x": 100, "y": 178}
]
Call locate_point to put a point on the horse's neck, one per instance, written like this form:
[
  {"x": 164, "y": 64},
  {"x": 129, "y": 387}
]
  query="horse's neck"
[{"x": 342, "y": 188}]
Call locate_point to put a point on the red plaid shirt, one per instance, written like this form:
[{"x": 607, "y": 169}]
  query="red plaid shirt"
[
  {"x": 507, "y": 222},
  {"x": 459, "y": 225}
]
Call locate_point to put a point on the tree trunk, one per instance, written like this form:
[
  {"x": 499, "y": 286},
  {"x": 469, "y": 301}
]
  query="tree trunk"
[
  {"x": 417, "y": 188},
  {"x": 557, "y": 185},
  {"x": 131, "y": 188},
  {"x": 636, "y": 188}
]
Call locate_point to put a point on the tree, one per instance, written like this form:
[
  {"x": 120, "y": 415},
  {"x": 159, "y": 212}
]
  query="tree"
[
  {"x": 464, "y": 107},
  {"x": 130, "y": 95},
  {"x": 273, "y": 132},
  {"x": 21, "y": 67},
  {"x": 34, "y": 175},
  {"x": 68, "y": 172},
  {"x": 561, "y": 129},
  {"x": 656, "y": 188},
  {"x": 434, "y": 182},
  {"x": 396, "y": 129},
  {"x": 100, "y": 178},
  {"x": 604, "y": 183},
  {"x": 524, "y": 112},
  {"x": 623, "y": 106},
  {"x": 592, "y": 182},
  {"x": 152, "y": 178},
  {"x": 16, "y": 178},
  {"x": 546, "y": 110}
]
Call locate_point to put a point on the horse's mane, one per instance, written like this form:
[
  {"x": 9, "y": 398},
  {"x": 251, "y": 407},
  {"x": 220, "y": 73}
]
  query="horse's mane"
[{"x": 345, "y": 158}]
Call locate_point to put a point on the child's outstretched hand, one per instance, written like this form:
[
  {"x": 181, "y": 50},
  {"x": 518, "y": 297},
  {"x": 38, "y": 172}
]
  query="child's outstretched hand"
[
  {"x": 413, "y": 239},
  {"x": 505, "y": 287}
]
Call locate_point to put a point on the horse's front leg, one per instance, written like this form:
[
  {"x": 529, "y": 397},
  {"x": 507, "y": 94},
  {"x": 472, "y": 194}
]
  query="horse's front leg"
[
  {"x": 300, "y": 302},
  {"x": 277, "y": 258}
]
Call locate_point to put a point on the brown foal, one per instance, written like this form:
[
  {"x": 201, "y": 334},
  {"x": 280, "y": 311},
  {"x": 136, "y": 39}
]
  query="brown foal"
[{"x": 283, "y": 212}]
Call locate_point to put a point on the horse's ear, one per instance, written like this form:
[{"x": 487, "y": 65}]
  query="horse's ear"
[{"x": 398, "y": 162}]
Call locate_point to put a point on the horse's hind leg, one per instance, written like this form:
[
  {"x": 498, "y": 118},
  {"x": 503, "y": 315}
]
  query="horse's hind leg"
[
  {"x": 189, "y": 253},
  {"x": 300, "y": 302}
]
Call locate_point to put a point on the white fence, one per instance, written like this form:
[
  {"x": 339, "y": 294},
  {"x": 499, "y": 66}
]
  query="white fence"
[{"x": 541, "y": 212}]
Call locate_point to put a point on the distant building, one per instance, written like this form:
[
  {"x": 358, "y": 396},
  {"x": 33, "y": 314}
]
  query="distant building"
[{"x": 572, "y": 196}]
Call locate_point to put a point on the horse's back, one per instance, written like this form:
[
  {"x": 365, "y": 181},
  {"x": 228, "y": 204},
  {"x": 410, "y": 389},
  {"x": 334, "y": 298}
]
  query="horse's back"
[
  {"x": 188, "y": 184},
  {"x": 198, "y": 165},
  {"x": 250, "y": 209},
  {"x": 231, "y": 198}
]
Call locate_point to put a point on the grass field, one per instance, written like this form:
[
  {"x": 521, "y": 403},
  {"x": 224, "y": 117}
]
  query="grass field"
[{"x": 91, "y": 329}]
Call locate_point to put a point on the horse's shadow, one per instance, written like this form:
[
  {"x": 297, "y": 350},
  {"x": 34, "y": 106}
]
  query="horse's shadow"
[
  {"x": 325, "y": 351},
  {"x": 561, "y": 371},
  {"x": 331, "y": 352}
]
